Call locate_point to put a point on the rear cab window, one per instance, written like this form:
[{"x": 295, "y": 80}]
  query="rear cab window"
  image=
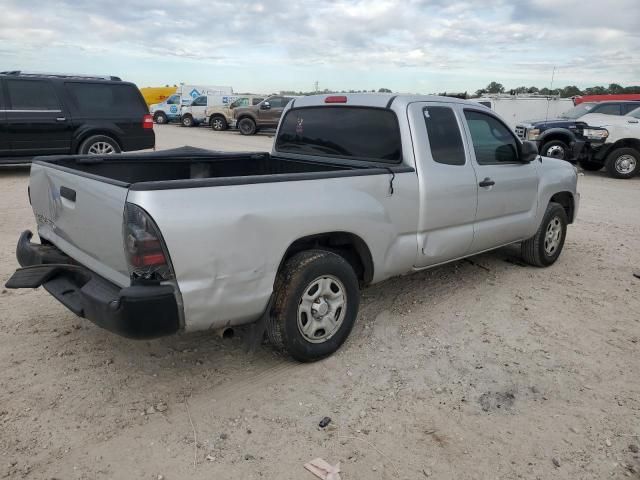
[
  {"x": 106, "y": 99},
  {"x": 444, "y": 134},
  {"x": 358, "y": 133}
]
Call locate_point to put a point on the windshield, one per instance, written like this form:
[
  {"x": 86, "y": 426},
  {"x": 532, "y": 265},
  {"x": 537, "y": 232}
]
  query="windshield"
[
  {"x": 173, "y": 100},
  {"x": 241, "y": 102},
  {"x": 578, "y": 111},
  {"x": 634, "y": 113}
]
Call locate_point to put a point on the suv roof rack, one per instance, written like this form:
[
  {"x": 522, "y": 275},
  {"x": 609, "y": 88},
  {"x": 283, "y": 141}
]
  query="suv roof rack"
[{"x": 23, "y": 73}]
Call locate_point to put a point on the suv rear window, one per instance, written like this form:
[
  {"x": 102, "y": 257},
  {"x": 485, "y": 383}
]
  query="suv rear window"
[
  {"x": 360, "y": 133},
  {"x": 102, "y": 99}
]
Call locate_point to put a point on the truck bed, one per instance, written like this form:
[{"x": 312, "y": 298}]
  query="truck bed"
[{"x": 191, "y": 167}]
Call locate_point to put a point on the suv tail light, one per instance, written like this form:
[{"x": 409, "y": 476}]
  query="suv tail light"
[
  {"x": 144, "y": 247},
  {"x": 336, "y": 99},
  {"x": 147, "y": 121}
]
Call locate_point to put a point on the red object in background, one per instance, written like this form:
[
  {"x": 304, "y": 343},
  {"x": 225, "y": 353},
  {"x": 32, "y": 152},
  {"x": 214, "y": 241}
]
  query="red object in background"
[{"x": 603, "y": 98}]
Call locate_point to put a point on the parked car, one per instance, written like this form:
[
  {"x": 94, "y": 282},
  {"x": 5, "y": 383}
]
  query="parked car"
[
  {"x": 563, "y": 137},
  {"x": 619, "y": 149},
  {"x": 195, "y": 113},
  {"x": 53, "y": 114},
  {"x": 169, "y": 110},
  {"x": 219, "y": 117},
  {"x": 357, "y": 189},
  {"x": 265, "y": 114}
]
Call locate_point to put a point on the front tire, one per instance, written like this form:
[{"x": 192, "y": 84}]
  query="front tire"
[
  {"x": 623, "y": 163},
  {"x": 218, "y": 123},
  {"x": 555, "y": 149},
  {"x": 99, "y": 145},
  {"x": 247, "y": 126},
  {"x": 544, "y": 248},
  {"x": 187, "y": 121},
  {"x": 316, "y": 299}
]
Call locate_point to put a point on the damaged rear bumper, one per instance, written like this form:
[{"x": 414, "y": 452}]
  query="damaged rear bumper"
[{"x": 147, "y": 311}]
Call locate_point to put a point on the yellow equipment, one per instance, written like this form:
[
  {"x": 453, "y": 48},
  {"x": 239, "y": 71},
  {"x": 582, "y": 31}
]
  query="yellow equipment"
[{"x": 157, "y": 94}]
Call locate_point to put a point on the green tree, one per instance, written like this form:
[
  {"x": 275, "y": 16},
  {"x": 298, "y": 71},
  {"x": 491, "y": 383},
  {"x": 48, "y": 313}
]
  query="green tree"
[
  {"x": 570, "y": 91},
  {"x": 532, "y": 90},
  {"x": 495, "y": 87},
  {"x": 599, "y": 90},
  {"x": 384, "y": 90},
  {"x": 615, "y": 88}
]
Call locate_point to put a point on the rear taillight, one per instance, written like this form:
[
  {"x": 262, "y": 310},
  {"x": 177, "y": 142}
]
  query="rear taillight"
[
  {"x": 147, "y": 121},
  {"x": 146, "y": 253}
]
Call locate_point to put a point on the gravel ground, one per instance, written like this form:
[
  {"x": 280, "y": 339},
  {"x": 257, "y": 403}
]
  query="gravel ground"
[{"x": 478, "y": 369}]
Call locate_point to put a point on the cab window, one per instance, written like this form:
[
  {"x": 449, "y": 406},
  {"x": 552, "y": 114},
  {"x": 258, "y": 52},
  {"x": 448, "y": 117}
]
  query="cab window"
[
  {"x": 173, "y": 100},
  {"x": 200, "y": 101},
  {"x": 493, "y": 142}
]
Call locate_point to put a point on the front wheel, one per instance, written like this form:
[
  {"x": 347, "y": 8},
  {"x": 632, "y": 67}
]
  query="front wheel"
[
  {"x": 247, "y": 126},
  {"x": 160, "y": 118},
  {"x": 218, "y": 123},
  {"x": 555, "y": 149},
  {"x": 316, "y": 301},
  {"x": 543, "y": 249},
  {"x": 623, "y": 163},
  {"x": 187, "y": 121}
]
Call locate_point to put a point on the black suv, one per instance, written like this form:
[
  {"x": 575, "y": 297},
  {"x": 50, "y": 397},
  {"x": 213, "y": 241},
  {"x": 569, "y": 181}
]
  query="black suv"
[
  {"x": 49, "y": 114},
  {"x": 562, "y": 137}
]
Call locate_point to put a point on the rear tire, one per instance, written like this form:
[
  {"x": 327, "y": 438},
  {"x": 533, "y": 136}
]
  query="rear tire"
[
  {"x": 316, "y": 301},
  {"x": 187, "y": 121},
  {"x": 623, "y": 163},
  {"x": 544, "y": 248},
  {"x": 247, "y": 126},
  {"x": 99, "y": 145},
  {"x": 218, "y": 123},
  {"x": 591, "y": 166},
  {"x": 555, "y": 149},
  {"x": 160, "y": 118}
]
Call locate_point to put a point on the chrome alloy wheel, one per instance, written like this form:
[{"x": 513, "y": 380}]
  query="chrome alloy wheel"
[
  {"x": 552, "y": 236},
  {"x": 322, "y": 309},
  {"x": 101, "y": 148},
  {"x": 625, "y": 164},
  {"x": 555, "y": 151}
]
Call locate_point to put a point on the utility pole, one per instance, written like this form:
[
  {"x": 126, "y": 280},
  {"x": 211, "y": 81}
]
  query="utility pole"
[{"x": 316, "y": 86}]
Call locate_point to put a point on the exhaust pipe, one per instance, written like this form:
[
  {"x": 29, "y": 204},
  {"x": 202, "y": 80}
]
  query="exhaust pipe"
[{"x": 225, "y": 333}]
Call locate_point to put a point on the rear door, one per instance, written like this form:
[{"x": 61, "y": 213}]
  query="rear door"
[
  {"x": 507, "y": 187},
  {"x": 117, "y": 107},
  {"x": 38, "y": 123},
  {"x": 448, "y": 183},
  {"x": 83, "y": 217}
]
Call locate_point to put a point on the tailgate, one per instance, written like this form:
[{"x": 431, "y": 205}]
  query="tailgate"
[{"x": 82, "y": 216}]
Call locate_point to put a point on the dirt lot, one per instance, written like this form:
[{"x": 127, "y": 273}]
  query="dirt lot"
[{"x": 478, "y": 369}]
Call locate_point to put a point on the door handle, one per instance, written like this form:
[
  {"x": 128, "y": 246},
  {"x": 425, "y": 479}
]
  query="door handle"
[
  {"x": 68, "y": 193},
  {"x": 487, "y": 182},
  {"x": 60, "y": 119}
]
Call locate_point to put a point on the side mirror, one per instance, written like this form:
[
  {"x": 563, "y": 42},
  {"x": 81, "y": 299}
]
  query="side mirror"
[
  {"x": 265, "y": 106},
  {"x": 528, "y": 152}
]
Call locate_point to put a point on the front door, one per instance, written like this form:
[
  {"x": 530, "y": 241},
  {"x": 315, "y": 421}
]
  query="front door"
[
  {"x": 37, "y": 122},
  {"x": 448, "y": 184},
  {"x": 507, "y": 187},
  {"x": 271, "y": 116}
]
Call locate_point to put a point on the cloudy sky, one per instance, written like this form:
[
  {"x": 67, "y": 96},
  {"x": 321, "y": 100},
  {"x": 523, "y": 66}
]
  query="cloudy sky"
[{"x": 409, "y": 45}]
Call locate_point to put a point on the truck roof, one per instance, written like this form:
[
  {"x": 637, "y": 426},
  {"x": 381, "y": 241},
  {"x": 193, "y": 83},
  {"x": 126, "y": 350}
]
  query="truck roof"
[{"x": 382, "y": 100}]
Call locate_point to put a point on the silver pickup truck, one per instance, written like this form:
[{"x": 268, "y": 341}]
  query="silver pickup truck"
[{"x": 357, "y": 189}]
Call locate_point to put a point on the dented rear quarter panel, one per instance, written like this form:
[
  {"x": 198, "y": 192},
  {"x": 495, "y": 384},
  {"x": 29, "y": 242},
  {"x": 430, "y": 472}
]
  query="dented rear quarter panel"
[{"x": 226, "y": 242}]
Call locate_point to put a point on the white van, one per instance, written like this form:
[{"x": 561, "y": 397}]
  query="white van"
[
  {"x": 169, "y": 110},
  {"x": 517, "y": 108},
  {"x": 195, "y": 113}
]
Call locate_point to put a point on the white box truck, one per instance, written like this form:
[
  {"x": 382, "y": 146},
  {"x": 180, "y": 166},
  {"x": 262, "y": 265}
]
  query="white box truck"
[
  {"x": 517, "y": 108},
  {"x": 169, "y": 110}
]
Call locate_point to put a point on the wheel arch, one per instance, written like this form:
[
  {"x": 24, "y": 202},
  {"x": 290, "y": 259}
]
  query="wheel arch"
[
  {"x": 561, "y": 134},
  {"x": 567, "y": 201},
  {"x": 348, "y": 245},
  {"x": 82, "y": 136},
  {"x": 625, "y": 143}
]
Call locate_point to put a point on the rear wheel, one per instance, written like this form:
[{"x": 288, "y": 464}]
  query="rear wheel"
[
  {"x": 160, "y": 118},
  {"x": 99, "y": 145},
  {"x": 218, "y": 123},
  {"x": 543, "y": 249},
  {"x": 555, "y": 149},
  {"x": 247, "y": 126},
  {"x": 316, "y": 300},
  {"x": 187, "y": 121},
  {"x": 591, "y": 166},
  {"x": 623, "y": 163}
]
